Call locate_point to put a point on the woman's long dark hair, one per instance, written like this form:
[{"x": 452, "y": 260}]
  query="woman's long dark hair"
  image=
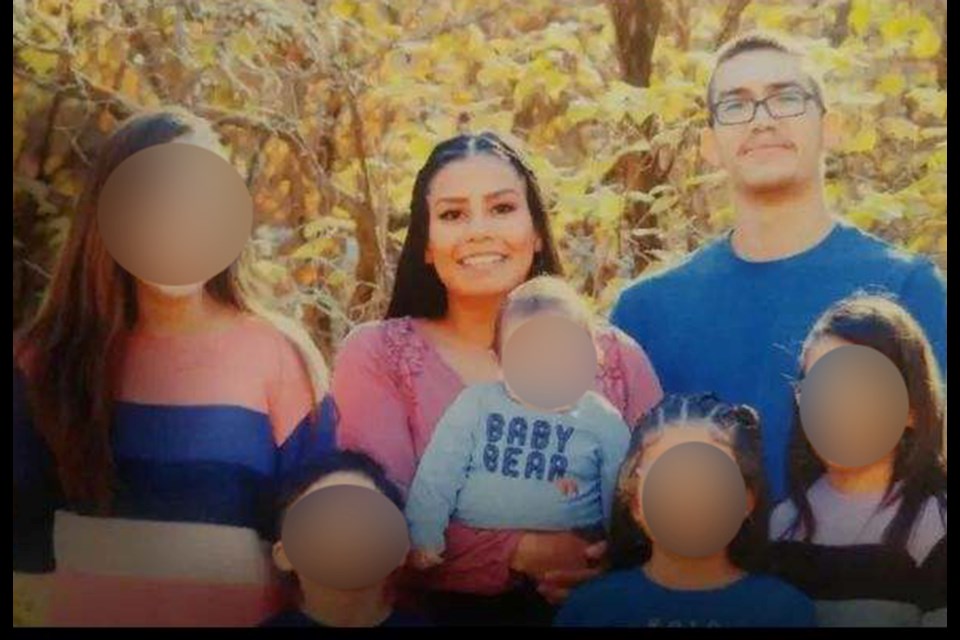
[
  {"x": 919, "y": 468},
  {"x": 417, "y": 289},
  {"x": 735, "y": 426}
]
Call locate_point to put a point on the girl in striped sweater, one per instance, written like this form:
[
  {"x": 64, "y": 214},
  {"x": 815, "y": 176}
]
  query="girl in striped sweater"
[{"x": 869, "y": 543}]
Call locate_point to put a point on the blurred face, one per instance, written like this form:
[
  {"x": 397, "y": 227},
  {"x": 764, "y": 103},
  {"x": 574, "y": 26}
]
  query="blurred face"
[
  {"x": 482, "y": 239},
  {"x": 854, "y": 404},
  {"x": 175, "y": 217},
  {"x": 342, "y": 479},
  {"x": 342, "y": 533},
  {"x": 548, "y": 360},
  {"x": 690, "y": 495},
  {"x": 766, "y": 154}
]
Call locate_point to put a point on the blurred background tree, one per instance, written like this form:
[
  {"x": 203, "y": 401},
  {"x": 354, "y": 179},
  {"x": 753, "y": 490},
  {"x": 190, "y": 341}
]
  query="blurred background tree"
[{"x": 329, "y": 108}]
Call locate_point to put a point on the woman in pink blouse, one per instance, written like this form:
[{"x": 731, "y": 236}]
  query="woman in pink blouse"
[{"x": 478, "y": 229}]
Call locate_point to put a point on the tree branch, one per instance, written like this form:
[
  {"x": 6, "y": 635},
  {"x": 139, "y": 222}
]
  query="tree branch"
[{"x": 730, "y": 21}]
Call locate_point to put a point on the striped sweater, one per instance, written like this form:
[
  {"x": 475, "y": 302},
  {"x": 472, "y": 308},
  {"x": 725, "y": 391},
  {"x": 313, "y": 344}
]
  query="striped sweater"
[
  {"x": 205, "y": 428},
  {"x": 854, "y": 579}
]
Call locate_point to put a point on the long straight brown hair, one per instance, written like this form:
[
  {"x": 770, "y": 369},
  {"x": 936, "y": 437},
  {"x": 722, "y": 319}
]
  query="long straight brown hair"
[
  {"x": 919, "y": 466},
  {"x": 72, "y": 351}
]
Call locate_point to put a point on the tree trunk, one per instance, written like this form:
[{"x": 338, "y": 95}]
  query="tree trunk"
[
  {"x": 637, "y": 24},
  {"x": 841, "y": 26},
  {"x": 942, "y": 58},
  {"x": 369, "y": 269}
]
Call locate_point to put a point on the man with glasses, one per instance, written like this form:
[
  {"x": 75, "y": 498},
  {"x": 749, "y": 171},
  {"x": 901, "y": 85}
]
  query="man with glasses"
[{"x": 732, "y": 316}]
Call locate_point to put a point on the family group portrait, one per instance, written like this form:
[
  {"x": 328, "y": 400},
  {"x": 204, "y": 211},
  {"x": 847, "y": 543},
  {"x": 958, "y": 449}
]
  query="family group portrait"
[{"x": 479, "y": 313}]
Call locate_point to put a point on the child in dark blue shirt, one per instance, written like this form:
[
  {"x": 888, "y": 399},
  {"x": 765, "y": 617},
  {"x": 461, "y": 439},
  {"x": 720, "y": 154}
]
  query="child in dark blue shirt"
[
  {"x": 330, "y": 601},
  {"x": 654, "y": 586}
]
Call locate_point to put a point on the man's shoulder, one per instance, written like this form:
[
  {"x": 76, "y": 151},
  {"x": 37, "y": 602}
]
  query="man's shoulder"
[
  {"x": 868, "y": 248},
  {"x": 699, "y": 264}
]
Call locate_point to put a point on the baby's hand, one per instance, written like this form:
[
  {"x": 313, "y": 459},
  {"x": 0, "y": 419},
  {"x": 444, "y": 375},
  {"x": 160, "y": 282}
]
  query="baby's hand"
[
  {"x": 423, "y": 559},
  {"x": 568, "y": 486}
]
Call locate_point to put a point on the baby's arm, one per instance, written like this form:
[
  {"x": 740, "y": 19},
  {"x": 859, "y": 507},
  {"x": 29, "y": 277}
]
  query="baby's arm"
[{"x": 441, "y": 474}]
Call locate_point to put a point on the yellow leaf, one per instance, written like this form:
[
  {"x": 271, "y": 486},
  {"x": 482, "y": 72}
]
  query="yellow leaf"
[
  {"x": 270, "y": 272},
  {"x": 420, "y": 148},
  {"x": 713, "y": 178},
  {"x": 370, "y": 16},
  {"x": 895, "y": 29},
  {"x": 891, "y": 84},
  {"x": 206, "y": 52},
  {"x": 664, "y": 203},
  {"x": 938, "y": 160},
  {"x": 859, "y": 19},
  {"x": 926, "y": 44},
  {"x": 931, "y": 101},
  {"x": 930, "y": 133},
  {"x": 461, "y": 97},
  {"x": 721, "y": 217},
  {"x": 608, "y": 205},
  {"x": 242, "y": 44},
  {"x": 771, "y": 19},
  {"x": 580, "y": 110},
  {"x": 347, "y": 177},
  {"x": 833, "y": 192},
  {"x": 525, "y": 88},
  {"x": 498, "y": 70},
  {"x": 918, "y": 244},
  {"x": 40, "y": 61},
  {"x": 84, "y": 9},
  {"x": 864, "y": 141},
  {"x": 588, "y": 78},
  {"x": 861, "y": 218},
  {"x": 560, "y": 37},
  {"x": 900, "y": 129},
  {"x": 674, "y": 106},
  {"x": 555, "y": 82},
  {"x": 315, "y": 248},
  {"x": 345, "y": 9}
]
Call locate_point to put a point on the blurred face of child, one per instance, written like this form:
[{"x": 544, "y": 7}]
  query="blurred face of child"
[
  {"x": 163, "y": 221},
  {"x": 853, "y": 402},
  {"x": 342, "y": 533},
  {"x": 549, "y": 361},
  {"x": 690, "y": 500}
]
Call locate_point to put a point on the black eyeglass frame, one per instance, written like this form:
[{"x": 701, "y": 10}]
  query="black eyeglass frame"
[{"x": 807, "y": 97}]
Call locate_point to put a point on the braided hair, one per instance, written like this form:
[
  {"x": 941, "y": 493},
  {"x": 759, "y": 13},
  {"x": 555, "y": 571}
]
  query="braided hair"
[{"x": 733, "y": 426}]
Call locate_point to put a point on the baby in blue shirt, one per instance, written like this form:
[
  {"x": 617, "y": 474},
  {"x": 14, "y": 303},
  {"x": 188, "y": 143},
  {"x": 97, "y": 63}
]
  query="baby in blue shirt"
[{"x": 537, "y": 450}]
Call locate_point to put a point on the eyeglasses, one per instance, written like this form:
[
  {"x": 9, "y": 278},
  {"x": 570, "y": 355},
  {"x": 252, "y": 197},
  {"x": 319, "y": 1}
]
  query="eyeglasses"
[{"x": 785, "y": 104}]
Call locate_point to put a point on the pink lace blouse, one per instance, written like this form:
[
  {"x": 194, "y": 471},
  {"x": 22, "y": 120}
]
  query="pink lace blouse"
[{"x": 391, "y": 387}]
